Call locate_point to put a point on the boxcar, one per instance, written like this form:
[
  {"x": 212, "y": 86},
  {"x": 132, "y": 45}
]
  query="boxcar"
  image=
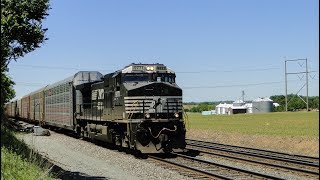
[
  {"x": 37, "y": 105},
  {"x": 18, "y": 108},
  {"x": 25, "y": 107},
  {"x": 60, "y": 99}
]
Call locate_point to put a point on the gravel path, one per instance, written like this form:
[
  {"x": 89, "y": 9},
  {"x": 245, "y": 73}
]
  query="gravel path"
[
  {"x": 85, "y": 160},
  {"x": 88, "y": 160}
]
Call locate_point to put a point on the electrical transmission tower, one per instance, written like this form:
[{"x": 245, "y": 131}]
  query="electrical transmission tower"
[{"x": 306, "y": 84}]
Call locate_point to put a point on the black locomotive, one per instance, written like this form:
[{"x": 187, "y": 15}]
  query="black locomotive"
[{"x": 138, "y": 107}]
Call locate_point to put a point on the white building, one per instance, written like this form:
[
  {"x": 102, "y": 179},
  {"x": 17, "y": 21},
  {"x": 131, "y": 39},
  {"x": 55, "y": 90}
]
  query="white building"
[
  {"x": 208, "y": 112},
  {"x": 259, "y": 105},
  {"x": 223, "y": 108}
]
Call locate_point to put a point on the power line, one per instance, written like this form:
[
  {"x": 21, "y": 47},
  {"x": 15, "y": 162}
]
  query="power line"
[
  {"x": 182, "y": 72},
  {"x": 190, "y": 87},
  {"x": 45, "y": 67},
  {"x": 237, "y": 85},
  {"x": 234, "y": 85},
  {"x": 57, "y": 67},
  {"x": 179, "y": 72},
  {"x": 226, "y": 71},
  {"x": 29, "y": 84}
]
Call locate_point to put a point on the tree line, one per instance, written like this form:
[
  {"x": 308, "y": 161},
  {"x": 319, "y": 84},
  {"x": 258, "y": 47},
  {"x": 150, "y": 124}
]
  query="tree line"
[{"x": 294, "y": 104}]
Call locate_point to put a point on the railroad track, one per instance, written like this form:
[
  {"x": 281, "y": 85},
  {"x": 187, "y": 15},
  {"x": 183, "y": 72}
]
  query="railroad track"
[
  {"x": 304, "y": 166},
  {"x": 198, "y": 168},
  {"x": 201, "y": 169}
]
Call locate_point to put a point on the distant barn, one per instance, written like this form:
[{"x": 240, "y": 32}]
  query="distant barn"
[{"x": 260, "y": 105}]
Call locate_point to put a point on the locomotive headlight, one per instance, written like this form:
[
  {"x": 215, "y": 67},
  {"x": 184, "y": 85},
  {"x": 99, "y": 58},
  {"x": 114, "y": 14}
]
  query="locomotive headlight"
[
  {"x": 150, "y": 68},
  {"x": 176, "y": 115},
  {"x": 147, "y": 115}
]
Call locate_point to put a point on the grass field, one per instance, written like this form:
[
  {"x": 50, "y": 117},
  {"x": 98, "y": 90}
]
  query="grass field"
[
  {"x": 13, "y": 166},
  {"x": 291, "y": 124},
  {"x": 18, "y": 161},
  {"x": 189, "y": 106}
]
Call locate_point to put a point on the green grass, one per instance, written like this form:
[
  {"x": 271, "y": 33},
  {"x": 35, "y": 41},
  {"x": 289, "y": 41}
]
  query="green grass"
[
  {"x": 13, "y": 166},
  {"x": 276, "y": 124},
  {"x": 18, "y": 161}
]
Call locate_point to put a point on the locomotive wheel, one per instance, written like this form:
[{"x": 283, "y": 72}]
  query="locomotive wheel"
[
  {"x": 120, "y": 148},
  {"x": 78, "y": 131}
]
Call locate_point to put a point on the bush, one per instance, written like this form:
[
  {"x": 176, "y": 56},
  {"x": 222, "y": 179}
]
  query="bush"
[
  {"x": 203, "y": 107},
  {"x": 18, "y": 161},
  {"x": 13, "y": 166}
]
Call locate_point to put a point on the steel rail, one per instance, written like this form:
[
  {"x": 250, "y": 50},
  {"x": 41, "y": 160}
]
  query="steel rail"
[
  {"x": 257, "y": 149},
  {"x": 258, "y": 155},
  {"x": 227, "y": 167},
  {"x": 198, "y": 171},
  {"x": 270, "y": 156},
  {"x": 259, "y": 162}
]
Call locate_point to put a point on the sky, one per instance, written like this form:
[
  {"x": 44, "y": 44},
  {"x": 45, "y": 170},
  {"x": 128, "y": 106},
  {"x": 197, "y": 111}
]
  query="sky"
[{"x": 218, "y": 48}]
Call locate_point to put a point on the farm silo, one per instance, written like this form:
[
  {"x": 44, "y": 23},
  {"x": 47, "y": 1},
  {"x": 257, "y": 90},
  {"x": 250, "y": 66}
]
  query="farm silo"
[
  {"x": 238, "y": 103},
  {"x": 218, "y": 109},
  {"x": 223, "y": 109},
  {"x": 262, "y": 105},
  {"x": 249, "y": 107}
]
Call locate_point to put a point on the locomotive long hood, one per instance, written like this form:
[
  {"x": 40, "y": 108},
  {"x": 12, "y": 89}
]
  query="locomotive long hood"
[{"x": 153, "y": 89}]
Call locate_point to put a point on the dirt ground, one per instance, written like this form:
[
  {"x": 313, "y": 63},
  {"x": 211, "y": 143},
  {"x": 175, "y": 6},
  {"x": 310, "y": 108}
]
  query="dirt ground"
[
  {"x": 295, "y": 145},
  {"x": 81, "y": 159}
]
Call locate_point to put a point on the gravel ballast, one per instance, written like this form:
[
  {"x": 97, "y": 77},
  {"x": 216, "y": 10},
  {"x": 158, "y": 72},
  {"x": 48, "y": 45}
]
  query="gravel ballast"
[{"x": 82, "y": 157}]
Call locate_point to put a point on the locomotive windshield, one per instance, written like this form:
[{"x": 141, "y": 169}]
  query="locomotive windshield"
[
  {"x": 136, "y": 77},
  {"x": 163, "y": 77},
  {"x": 154, "y": 77}
]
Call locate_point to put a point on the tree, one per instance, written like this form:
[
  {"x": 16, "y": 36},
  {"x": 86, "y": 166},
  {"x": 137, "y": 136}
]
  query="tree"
[
  {"x": 204, "y": 106},
  {"x": 21, "y": 33},
  {"x": 294, "y": 102}
]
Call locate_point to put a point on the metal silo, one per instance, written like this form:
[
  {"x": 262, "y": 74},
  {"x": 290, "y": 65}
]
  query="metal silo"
[
  {"x": 262, "y": 105},
  {"x": 223, "y": 109},
  {"x": 218, "y": 109},
  {"x": 249, "y": 107}
]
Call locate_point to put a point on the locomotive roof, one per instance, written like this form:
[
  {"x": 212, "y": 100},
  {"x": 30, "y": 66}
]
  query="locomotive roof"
[
  {"x": 142, "y": 68},
  {"x": 147, "y": 68},
  {"x": 70, "y": 79},
  {"x": 76, "y": 80}
]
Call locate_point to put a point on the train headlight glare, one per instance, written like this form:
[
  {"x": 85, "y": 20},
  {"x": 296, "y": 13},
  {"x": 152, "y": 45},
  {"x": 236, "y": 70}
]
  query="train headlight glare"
[
  {"x": 176, "y": 115},
  {"x": 147, "y": 115},
  {"x": 150, "y": 68}
]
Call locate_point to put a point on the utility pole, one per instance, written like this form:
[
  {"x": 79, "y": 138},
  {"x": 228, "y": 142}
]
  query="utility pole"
[
  {"x": 306, "y": 84},
  {"x": 243, "y": 96}
]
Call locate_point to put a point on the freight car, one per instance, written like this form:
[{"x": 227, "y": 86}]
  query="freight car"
[{"x": 138, "y": 107}]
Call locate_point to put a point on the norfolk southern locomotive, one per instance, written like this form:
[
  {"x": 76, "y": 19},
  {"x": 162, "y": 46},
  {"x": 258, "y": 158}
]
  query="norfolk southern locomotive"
[{"x": 138, "y": 107}]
